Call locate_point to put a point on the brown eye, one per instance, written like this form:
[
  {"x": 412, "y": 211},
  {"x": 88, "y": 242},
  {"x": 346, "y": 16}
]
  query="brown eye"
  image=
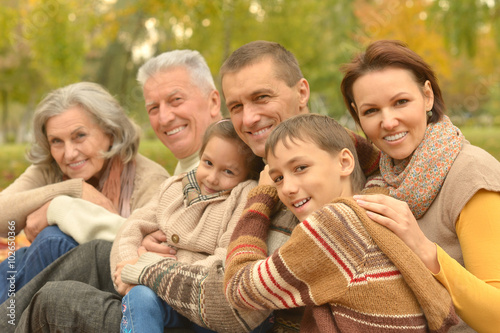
[{"x": 278, "y": 179}]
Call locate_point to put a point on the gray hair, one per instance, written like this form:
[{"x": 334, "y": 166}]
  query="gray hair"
[
  {"x": 104, "y": 110},
  {"x": 191, "y": 60}
]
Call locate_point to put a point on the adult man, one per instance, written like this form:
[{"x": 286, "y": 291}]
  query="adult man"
[
  {"x": 182, "y": 101},
  {"x": 269, "y": 97},
  {"x": 263, "y": 85},
  {"x": 263, "y": 91}
]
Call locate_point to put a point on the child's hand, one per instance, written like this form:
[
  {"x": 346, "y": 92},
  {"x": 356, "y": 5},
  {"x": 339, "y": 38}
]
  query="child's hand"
[
  {"x": 153, "y": 243},
  {"x": 141, "y": 250},
  {"x": 265, "y": 179}
]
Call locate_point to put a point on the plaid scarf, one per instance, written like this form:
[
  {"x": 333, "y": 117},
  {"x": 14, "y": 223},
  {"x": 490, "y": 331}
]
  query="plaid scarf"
[
  {"x": 192, "y": 191},
  {"x": 419, "y": 178}
]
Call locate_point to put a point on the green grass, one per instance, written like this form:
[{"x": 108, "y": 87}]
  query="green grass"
[
  {"x": 13, "y": 162},
  {"x": 156, "y": 151},
  {"x": 487, "y": 138}
]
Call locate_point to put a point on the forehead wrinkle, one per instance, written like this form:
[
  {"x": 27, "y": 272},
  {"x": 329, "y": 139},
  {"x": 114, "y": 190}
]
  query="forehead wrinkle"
[
  {"x": 170, "y": 94},
  {"x": 71, "y": 133}
]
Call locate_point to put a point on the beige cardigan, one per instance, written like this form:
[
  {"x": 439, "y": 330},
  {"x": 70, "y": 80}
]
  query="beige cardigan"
[
  {"x": 200, "y": 232},
  {"x": 36, "y": 186}
]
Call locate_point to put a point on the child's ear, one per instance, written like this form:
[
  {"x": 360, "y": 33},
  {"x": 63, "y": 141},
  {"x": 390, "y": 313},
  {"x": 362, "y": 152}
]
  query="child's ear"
[{"x": 347, "y": 162}]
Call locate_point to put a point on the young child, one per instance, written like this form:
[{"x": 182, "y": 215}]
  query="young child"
[
  {"x": 197, "y": 212},
  {"x": 352, "y": 274}
]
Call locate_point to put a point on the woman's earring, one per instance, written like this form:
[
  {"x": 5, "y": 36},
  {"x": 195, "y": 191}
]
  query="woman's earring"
[{"x": 429, "y": 113}]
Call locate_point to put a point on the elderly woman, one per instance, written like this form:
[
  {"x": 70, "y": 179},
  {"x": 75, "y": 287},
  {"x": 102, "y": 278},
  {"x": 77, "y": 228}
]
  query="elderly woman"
[
  {"x": 85, "y": 148},
  {"x": 445, "y": 192}
]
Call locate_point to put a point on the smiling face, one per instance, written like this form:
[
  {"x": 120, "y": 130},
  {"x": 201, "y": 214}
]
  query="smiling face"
[
  {"x": 392, "y": 110},
  {"x": 76, "y": 143},
  {"x": 179, "y": 112},
  {"x": 307, "y": 177},
  {"x": 222, "y": 166},
  {"x": 258, "y": 101}
]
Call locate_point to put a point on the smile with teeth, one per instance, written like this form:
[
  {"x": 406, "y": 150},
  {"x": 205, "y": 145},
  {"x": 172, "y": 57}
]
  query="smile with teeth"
[
  {"x": 77, "y": 164},
  {"x": 259, "y": 132},
  {"x": 395, "y": 136},
  {"x": 301, "y": 203},
  {"x": 176, "y": 130}
]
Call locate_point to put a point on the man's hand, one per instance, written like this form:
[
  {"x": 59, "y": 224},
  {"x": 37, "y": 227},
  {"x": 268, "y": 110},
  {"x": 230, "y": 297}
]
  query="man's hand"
[
  {"x": 36, "y": 222},
  {"x": 121, "y": 287}
]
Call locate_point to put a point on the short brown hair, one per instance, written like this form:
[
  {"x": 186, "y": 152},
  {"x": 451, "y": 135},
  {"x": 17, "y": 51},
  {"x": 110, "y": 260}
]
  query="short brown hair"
[
  {"x": 224, "y": 129},
  {"x": 390, "y": 53},
  {"x": 287, "y": 66},
  {"x": 323, "y": 131}
]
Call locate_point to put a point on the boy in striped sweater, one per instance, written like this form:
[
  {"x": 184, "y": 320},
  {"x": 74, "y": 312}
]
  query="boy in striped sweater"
[{"x": 351, "y": 273}]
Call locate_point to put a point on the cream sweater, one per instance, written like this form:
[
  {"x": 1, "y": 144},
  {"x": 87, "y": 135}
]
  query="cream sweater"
[
  {"x": 200, "y": 232},
  {"x": 36, "y": 186}
]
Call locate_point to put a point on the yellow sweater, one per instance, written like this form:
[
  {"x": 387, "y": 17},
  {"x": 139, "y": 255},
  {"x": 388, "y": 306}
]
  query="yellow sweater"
[{"x": 475, "y": 288}]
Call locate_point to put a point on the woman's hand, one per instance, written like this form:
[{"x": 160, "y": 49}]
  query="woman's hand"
[
  {"x": 89, "y": 193},
  {"x": 36, "y": 222},
  {"x": 264, "y": 178},
  {"x": 395, "y": 215}
]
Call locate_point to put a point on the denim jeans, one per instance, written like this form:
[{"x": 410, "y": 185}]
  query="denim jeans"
[
  {"x": 50, "y": 244},
  {"x": 144, "y": 311},
  {"x": 74, "y": 293}
]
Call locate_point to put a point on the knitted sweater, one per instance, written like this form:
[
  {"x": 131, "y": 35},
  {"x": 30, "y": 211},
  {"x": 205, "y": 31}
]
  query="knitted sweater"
[
  {"x": 192, "y": 284},
  {"x": 37, "y": 185},
  {"x": 474, "y": 169},
  {"x": 366, "y": 274}
]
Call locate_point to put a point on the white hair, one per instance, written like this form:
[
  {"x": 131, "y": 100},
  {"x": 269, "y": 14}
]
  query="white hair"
[{"x": 191, "y": 60}]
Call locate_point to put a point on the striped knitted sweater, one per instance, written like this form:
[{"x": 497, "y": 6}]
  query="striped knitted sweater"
[
  {"x": 352, "y": 274},
  {"x": 193, "y": 284}
]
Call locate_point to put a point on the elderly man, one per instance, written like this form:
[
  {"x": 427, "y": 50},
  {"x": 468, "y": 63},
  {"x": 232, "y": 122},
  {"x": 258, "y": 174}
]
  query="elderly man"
[
  {"x": 263, "y": 86},
  {"x": 181, "y": 101}
]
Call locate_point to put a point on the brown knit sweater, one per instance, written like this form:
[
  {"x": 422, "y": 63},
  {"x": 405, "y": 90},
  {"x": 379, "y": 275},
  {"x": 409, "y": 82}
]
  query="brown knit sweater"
[{"x": 363, "y": 275}]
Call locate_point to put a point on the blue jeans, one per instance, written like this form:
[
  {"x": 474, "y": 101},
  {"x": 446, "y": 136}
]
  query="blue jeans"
[
  {"x": 50, "y": 244},
  {"x": 144, "y": 311}
]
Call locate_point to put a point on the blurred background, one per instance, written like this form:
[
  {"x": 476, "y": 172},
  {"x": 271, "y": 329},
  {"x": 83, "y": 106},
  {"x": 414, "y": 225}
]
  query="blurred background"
[{"x": 47, "y": 44}]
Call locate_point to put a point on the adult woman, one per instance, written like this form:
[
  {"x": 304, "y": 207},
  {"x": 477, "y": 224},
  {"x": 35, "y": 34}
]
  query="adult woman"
[
  {"x": 84, "y": 147},
  {"x": 450, "y": 209}
]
